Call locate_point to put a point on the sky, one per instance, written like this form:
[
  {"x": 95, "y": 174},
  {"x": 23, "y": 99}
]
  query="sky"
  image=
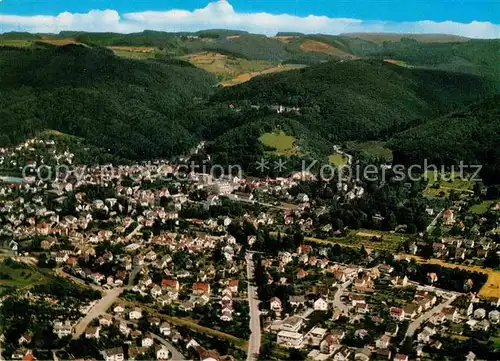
[{"x": 471, "y": 18}]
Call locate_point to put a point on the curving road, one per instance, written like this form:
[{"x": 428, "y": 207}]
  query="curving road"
[
  {"x": 99, "y": 308},
  {"x": 337, "y": 302},
  {"x": 175, "y": 354}
]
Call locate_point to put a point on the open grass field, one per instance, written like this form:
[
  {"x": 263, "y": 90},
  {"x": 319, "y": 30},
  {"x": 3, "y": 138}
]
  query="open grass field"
[
  {"x": 370, "y": 239},
  {"x": 482, "y": 207},
  {"x": 320, "y": 47},
  {"x": 136, "y": 55},
  {"x": 337, "y": 160},
  {"x": 491, "y": 288},
  {"x": 19, "y": 275},
  {"x": 371, "y": 148},
  {"x": 17, "y": 43},
  {"x": 447, "y": 182},
  {"x": 189, "y": 323},
  {"x": 285, "y": 145}
]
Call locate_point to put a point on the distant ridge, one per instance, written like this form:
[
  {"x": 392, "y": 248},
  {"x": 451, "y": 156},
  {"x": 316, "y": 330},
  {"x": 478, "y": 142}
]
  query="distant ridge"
[{"x": 395, "y": 37}]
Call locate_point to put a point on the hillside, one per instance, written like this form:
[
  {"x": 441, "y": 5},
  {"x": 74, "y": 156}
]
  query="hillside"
[
  {"x": 356, "y": 100},
  {"x": 425, "y": 38},
  {"x": 433, "y": 51},
  {"x": 149, "y": 94},
  {"x": 471, "y": 136},
  {"x": 129, "y": 107}
]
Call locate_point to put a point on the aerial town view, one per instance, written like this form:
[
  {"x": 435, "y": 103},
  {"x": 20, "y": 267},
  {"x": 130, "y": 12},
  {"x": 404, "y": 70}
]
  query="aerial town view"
[{"x": 249, "y": 180}]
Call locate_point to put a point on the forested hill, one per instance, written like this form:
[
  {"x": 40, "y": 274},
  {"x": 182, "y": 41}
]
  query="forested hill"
[
  {"x": 362, "y": 99},
  {"x": 124, "y": 105},
  {"x": 471, "y": 136}
]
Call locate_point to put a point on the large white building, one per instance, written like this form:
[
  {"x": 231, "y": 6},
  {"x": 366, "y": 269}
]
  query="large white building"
[{"x": 290, "y": 339}]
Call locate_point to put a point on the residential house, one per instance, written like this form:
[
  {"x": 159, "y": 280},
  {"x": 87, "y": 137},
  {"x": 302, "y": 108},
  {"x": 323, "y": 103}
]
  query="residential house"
[
  {"x": 113, "y": 354},
  {"x": 397, "y": 314},
  {"x": 162, "y": 352},
  {"x": 290, "y": 339},
  {"x": 200, "y": 288},
  {"x": 297, "y": 301},
  {"x": 92, "y": 332},
  {"x": 147, "y": 341},
  {"x": 135, "y": 314},
  {"x": 106, "y": 320},
  {"x": 383, "y": 342},
  {"x": 165, "y": 329},
  {"x": 343, "y": 354},
  {"x": 320, "y": 305}
]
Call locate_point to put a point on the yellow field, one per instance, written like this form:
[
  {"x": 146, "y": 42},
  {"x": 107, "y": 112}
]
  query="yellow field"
[
  {"x": 491, "y": 288},
  {"x": 285, "y": 39},
  {"x": 60, "y": 42}
]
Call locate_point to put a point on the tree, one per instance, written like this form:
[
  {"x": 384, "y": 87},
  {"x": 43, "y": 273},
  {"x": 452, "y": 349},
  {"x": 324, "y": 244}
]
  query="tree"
[{"x": 492, "y": 260}]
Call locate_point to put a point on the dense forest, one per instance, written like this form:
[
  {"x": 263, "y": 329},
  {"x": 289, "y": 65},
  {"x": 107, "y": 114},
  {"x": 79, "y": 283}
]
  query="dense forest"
[
  {"x": 411, "y": 93},
  {"x": 130, "y": 107},
  {"x": 361, "y": 99},
  {"x": 471, "y": 136}
]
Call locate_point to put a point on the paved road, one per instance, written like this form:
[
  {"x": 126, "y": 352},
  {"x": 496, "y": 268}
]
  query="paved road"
[
  {"x": 100, "y": 308},
  {"x": 337, "y": 302},
  {"x": 253, "y": 301},
  {"x": 431, "y": 226},
  {"x": 415, "y": 325},
  {"x": 175, "y": 354},
  {"x": 134, "y": 232},
  {"x": 133, "y": 275}
]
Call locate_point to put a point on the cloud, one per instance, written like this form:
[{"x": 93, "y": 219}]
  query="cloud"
[{"x": 221, "y": 14}]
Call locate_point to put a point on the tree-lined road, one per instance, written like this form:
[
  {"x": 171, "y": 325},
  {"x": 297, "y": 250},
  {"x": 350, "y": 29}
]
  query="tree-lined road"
[{"x": 415, "y": 325}]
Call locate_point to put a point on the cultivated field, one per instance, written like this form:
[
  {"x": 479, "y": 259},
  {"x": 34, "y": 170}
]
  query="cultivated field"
[
  {"x": 60, "y": 42},
  {"x": 232, "y": 70},
  {"x": 320, "y": 47},
  {"x": 135, "y": 49}
]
